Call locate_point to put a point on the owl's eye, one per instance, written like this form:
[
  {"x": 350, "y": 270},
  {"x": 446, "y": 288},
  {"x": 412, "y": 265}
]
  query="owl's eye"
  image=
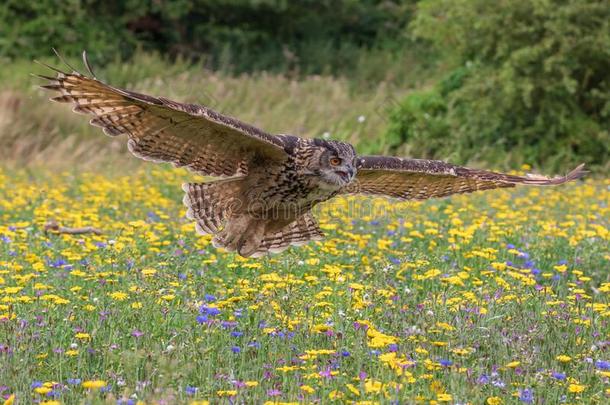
[{"x": 335, "y": 161}]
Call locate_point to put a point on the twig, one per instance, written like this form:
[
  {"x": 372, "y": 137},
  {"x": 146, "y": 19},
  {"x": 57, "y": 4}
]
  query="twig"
[{"x": 54, "y": 227}]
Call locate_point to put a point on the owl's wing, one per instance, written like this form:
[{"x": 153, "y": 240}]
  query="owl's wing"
[
  {"x": 162, "y": 130},
  {"x": 418, "y": 179}
]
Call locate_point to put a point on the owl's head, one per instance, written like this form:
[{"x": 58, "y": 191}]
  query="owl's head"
[{"x": 335, "y": 163}]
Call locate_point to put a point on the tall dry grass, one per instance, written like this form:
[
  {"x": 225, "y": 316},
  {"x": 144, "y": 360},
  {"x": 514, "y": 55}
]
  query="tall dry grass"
[{"x": 36, "y": 132}]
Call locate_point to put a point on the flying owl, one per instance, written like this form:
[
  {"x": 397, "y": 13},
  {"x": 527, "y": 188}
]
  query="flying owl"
[{"x": 269, "y": 182}]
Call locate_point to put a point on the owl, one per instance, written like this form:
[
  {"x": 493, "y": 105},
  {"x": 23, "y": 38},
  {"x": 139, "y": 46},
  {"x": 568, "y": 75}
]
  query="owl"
[{"x": 268, "y": 183}]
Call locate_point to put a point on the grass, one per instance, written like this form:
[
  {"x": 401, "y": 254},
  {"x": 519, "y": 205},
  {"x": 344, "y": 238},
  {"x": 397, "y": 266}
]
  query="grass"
[{"x": 495, "y": 297}]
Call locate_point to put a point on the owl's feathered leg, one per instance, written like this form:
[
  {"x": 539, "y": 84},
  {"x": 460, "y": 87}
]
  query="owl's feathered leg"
[
  {"x": 210, "y": 204},
  {"x": 296, "y": 233},
  {"x": 242, "y": 235}
]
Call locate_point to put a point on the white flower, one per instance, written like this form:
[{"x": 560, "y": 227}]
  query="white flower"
[
  {"x": 361, "y": 119},
  {"x": 326, "y": 135}
]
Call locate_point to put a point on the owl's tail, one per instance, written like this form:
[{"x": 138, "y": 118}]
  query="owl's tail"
[
  {"x": 210, "y": 204},
  {"x": 216, "y": 209},
  {"x": 251, "y": 237}
]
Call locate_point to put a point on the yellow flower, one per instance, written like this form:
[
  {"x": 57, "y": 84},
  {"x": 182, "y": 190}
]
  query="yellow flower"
[
  {"x": 82, "y": 336},
  {"x": 10, "y": 400},
  {"x": 307, "y": 389},
  {"x": 52, "y": 402},
  {"x": 563, "y": 358},
  {"x": 118, "y": 296},
  {"x": 42, "y": 390},
  {"x": 200, "y": 402},
  {"x": 513, "y": 364},
  {"x": 251, "y": 384},
  {"x": 335, "y": 395},
  {"x": 444, "y": 398},
  {"x": 576, "y": 388},
  {"x": 226, "y": 393},
  {"x": 94, "y": 384},
  {"x": 372, "y": 386},
  {"x": 494, "y": 401}
]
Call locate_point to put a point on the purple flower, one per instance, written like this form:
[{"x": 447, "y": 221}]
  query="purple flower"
[
  {"x": 510, "y": 246},
  {"x": 202, "y": 319},
  {"x": 136, "y": 333},
  {"x": 558, "y": 376},
  {"x": 36, "y": 384},
  {"x": 326, "y": 373},
  {"x": 73, "y": 381},
  {"x": 526, "y": 395},
  {"x": 209, "y": 298},
  {"x": 345, "y": 353},
  {"x": 236, "y": 333},
  {"x": 190, "y": 390},
  {"x": 235, "y": 349},
  {"x": 445, "y": 363},
  {"x": 274, "y": 393},
  {"x": 393, "y": 347}
]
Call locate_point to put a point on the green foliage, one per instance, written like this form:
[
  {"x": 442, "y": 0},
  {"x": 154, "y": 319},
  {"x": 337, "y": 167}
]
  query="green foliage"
[
  {"x": 241, "y": 35},
  {"x": 531, "y": 81}
]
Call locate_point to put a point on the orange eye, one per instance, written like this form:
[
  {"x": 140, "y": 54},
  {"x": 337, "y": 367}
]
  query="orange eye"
[{"x": 335, "y": 161}]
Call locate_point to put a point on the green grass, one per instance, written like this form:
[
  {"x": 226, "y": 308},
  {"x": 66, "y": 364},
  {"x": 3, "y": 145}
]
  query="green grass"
[{"x": 436, "y": 283}]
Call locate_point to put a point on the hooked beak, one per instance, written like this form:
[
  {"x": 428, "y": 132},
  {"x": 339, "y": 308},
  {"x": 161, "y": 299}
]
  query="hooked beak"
[{"x": 345, "y": 175}]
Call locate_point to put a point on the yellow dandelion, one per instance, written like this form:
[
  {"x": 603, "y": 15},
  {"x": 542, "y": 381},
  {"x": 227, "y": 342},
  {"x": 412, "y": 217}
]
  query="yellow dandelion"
[
  {"x": 576, "y": 388},
  {"x": 94, "y": 384}
]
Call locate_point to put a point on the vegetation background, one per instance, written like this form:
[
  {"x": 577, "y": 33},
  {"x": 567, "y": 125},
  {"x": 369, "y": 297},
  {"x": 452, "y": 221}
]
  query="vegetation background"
[{"x": 495, "y": 84}]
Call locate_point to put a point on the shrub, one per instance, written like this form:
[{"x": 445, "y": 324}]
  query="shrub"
[{"x": 531, "y": 82}]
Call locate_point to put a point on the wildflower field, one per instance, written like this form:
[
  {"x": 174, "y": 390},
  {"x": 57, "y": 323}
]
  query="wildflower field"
[{"x": 491, "y": 298}]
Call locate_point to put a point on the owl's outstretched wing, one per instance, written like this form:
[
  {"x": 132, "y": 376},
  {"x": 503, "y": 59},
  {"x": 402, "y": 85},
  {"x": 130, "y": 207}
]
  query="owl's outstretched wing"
[
  {"x": 162, "y": 130},
  {"x": 418, "y": 179}
]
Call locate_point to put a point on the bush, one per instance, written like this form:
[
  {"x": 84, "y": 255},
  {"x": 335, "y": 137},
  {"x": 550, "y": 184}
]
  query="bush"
[
  {"x": 530, "y": 83},
  {"x": 240, "y": 35}
]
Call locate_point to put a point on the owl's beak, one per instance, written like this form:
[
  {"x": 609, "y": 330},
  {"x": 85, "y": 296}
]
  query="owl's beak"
[{"x": 345, "y": 176}]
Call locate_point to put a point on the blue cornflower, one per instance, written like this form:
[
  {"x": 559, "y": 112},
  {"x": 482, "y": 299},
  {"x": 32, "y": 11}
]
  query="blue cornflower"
[
  {"x": 202, "y": 319},
  {"x": 510, "y": 246},
  {"x": 602, "y": 365},
  {"x": 446, "y": 363},
  {"x": 483, "y": 379},
  {"x": 236, "y": 333},
  {"x": 74, "y": 381},
  {"x": 190, "y": 390},
  {"x": 235, "y": 349},
  {"x": 526, "y": 395},
  {"x": 345, "y": 353},
  {"x": 36, "y": 384},
  {"x": 212, "y": 311},
  {"x": 209, "y": 298},
  {"x": 558, "y": 376}
]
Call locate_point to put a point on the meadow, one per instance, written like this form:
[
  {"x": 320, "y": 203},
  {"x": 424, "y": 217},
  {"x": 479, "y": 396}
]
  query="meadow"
[{"x": 498, "y": 297}]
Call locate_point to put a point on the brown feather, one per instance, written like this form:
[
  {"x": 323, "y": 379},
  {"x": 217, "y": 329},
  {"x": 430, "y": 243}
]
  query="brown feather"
[
  {"x": 163, "y": 130},
  {"x": 419, "y": 179}
]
